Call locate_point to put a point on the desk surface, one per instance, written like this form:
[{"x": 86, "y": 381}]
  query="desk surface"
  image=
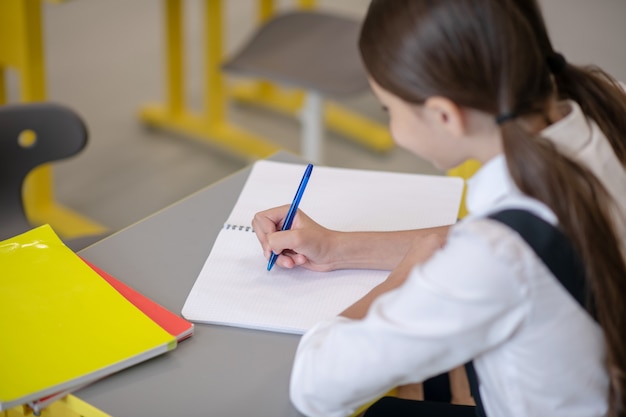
[{"x": 220, "y": 371}]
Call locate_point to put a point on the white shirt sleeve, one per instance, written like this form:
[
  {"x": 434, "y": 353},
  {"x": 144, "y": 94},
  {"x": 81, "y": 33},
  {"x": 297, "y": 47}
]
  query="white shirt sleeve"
[{"x": 468, "y": 298}]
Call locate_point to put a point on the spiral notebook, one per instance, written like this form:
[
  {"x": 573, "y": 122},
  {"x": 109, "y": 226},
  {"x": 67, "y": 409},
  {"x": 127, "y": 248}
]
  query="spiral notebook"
[{"x": 234, "y": 287}]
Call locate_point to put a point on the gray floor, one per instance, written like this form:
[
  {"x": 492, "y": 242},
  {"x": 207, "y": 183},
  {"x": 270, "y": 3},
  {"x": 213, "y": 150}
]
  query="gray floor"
[{"x": 104, "y": 59}]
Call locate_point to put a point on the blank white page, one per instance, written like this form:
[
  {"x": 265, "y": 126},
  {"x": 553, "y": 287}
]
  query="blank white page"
[{"x": 234, "y": 288}]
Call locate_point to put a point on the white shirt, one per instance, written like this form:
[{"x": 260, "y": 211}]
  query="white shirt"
[{"x": 484, "y": 296}]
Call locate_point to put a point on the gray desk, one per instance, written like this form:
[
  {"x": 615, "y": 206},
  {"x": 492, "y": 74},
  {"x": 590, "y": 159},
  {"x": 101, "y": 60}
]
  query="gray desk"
[{"x": 220, "y": 371}]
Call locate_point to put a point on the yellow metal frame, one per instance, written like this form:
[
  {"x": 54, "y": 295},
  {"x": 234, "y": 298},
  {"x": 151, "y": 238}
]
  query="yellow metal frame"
[
  {"x": 69, "y": 406},
  {"x": 336, "y": 117},
  {"x": 211, "y": 126},
  {"x": 465, "y": 171},
  {"x": 21, "y": 49}
]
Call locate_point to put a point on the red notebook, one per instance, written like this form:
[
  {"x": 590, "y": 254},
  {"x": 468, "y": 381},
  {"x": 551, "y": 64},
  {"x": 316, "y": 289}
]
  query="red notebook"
[{"x": 170, "y": 322}]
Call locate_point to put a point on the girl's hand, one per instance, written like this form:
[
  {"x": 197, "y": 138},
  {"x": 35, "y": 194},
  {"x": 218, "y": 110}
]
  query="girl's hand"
[{"x": 306, "y": 244}]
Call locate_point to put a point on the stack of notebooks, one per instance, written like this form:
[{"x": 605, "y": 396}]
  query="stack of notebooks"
[{"x": 65, "y": 323}]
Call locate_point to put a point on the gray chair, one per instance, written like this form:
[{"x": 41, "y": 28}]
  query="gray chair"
[
  {"x": 313, "y": 51},
  {"x": 31, "y": 135}
]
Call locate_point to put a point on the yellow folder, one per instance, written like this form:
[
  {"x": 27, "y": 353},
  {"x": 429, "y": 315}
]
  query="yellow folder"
[{"x": 61, "y": 324}]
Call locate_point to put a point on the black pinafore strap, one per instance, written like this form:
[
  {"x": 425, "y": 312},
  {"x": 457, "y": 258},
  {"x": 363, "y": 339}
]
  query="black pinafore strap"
[{"x": 556, "y": 252}]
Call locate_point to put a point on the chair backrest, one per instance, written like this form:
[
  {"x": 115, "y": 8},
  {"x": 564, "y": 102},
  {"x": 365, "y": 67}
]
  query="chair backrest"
[{"x": 31, "y": 135}]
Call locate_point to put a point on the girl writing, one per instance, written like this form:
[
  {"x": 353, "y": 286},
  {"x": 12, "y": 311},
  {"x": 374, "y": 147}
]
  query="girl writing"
[{"x": 460, "y": 79}]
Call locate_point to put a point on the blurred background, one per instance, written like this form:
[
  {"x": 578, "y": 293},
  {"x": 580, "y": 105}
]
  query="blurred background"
[{"x": 106, "y": 59}]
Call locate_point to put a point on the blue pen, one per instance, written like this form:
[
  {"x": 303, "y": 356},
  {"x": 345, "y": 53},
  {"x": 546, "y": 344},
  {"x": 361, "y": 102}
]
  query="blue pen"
[{"x": 293, "y": 209}]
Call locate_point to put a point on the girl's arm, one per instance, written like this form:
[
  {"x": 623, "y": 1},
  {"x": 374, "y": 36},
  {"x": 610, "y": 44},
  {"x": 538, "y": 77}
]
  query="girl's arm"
[
  {"x": 314, "y": 247},
  {"x": 418, "y": 251}
]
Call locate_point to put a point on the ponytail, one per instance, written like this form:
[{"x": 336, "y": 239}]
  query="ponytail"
[
  {"x": 601, "y": 98},
  {"x": 597, "y": 93},
  {"x": 583, "y": 210}
]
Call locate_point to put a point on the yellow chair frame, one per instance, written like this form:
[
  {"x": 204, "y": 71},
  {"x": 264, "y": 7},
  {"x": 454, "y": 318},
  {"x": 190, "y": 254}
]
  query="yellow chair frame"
[
  {"x": 465, "y": 171},
  {"x": 69, "y": 406},
  {"x": 212, "y": 125},
  {"x": 21, "y": 49}
]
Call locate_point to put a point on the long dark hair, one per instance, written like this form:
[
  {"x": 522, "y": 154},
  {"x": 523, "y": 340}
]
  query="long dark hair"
[
  {"x": 597, "y": 93},
  {"x": 482, "y": 54}
]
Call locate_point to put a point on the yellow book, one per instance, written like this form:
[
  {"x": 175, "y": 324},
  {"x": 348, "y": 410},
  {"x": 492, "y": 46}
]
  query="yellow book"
[{"x": 61, "y": 324}]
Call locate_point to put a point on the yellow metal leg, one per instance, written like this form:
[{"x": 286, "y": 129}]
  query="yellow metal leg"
[
  {"x": 266, "y": 10},
  {"x": 364, "y": 407},
  {"x": 214, "y": 99},
  {"x": 69, "y": 406},
  {"x": 269, "y": 96},
  {"x": 21, "y": 47},
  {"x": 175, "y": 68},
  {"x": 465, "y": 171},
  {"x": 222, "y": 135},
  {"x": 211, "y": 126},
  {"x": 306, "y": 4},
  {"x": 337, "y": 118},
  {"x": 74, "y": 404},
  {"x": 360, "y": 129}
]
